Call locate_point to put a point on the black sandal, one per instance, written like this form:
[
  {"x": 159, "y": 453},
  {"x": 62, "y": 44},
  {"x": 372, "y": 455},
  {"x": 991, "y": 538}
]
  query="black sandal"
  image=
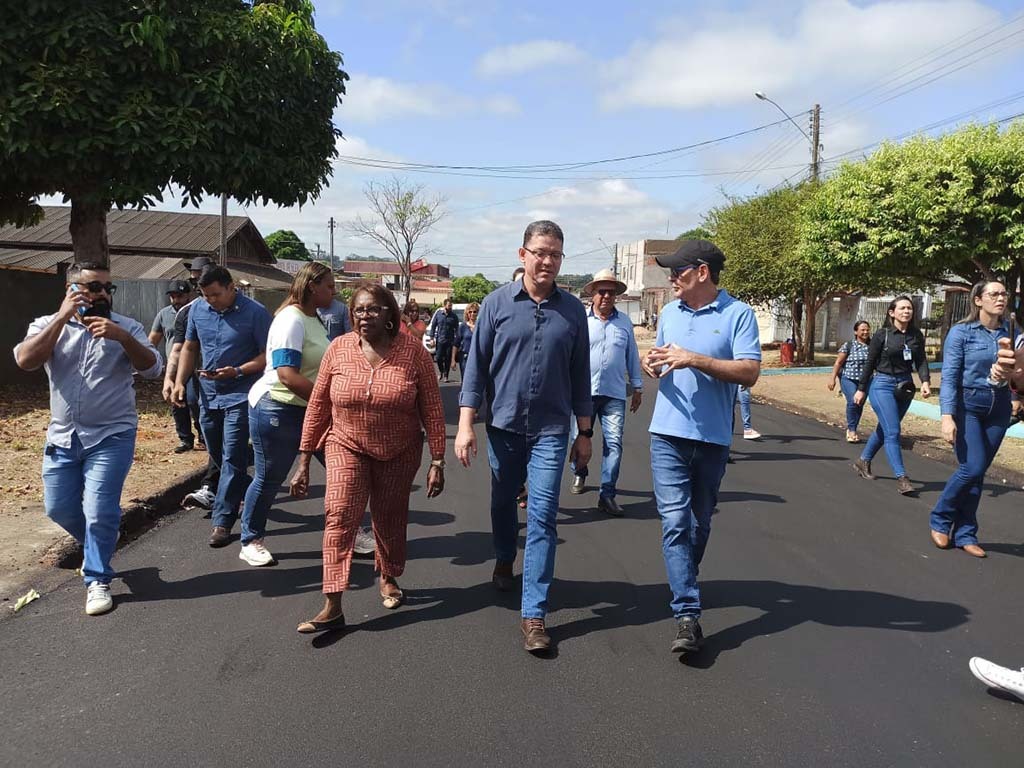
[{"x": 309, "y": 627}]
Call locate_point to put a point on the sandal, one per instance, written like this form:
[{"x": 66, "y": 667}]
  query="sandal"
[
  {"x": 309, "y": 627},
  {"x": 852, "y": 437},
  {"x": 392, "y": 600},
  {"x": 521, "y": 498}
]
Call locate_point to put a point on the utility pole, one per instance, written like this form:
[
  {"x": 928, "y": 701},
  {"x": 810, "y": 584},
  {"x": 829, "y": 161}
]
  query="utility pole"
[
  {"x": 615, "y": 261},
  {"x": 331, "y": 224},
  {"x": 223, "y": 230},
  {"x": 815, "y": 140}
]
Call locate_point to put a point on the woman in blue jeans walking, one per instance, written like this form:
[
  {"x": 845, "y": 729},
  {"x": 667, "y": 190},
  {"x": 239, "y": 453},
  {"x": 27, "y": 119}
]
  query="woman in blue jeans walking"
[
  {"x": 277, "y": 402},
  {"x": 895, "y": 351},
  {"x": 975, "y": 400},
  {"x": 847, "y": 370}
]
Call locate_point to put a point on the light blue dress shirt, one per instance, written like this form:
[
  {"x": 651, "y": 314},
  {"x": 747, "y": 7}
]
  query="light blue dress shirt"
[
  {"x": 531, "y": 361},
  {"x": 691, "y": 404},
  {"x": 335, "y": 319},
  {"x": 613, "y": 355},
  {"x": 91, "y": 391}
]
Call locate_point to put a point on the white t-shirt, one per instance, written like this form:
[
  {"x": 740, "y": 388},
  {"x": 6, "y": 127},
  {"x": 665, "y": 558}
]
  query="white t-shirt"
[{"x": 295, "y": 340}]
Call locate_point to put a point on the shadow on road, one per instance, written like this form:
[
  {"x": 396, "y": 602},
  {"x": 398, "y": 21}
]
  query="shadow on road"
[
  {"x": 788, "y": 605},
  {"x": 772, "y": 456}
]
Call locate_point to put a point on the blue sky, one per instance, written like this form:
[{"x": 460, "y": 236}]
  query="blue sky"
[{"x": 488, "y": 83}]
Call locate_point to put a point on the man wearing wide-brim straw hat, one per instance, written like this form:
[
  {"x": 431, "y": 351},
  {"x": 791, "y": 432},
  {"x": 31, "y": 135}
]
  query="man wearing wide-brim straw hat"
[{"x": 613, "y": 359}]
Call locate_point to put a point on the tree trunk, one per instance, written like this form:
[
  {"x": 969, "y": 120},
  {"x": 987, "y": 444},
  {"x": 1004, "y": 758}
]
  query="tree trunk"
[
  {"x": 89, "y": 232},
  {"x": 796, "y": 313},
  {"x": 812, "y": 305}
]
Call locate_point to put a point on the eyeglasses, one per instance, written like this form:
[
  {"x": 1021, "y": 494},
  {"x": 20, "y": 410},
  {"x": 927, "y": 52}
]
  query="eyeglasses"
[
  {"x": 606, "y": 292},
  {"x": 95, "y": 286},
  {"x": 680, "y": 271},
  {"x": 996, "y": 294},
  {"x": 553, "y": 255},
  {"x": 371, "y": 311}
]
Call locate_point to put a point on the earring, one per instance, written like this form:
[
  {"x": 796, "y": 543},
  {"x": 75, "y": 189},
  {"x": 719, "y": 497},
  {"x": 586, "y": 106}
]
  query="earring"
[{"x": 389, "y": 325}]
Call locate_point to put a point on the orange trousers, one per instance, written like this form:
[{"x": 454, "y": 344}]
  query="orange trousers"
[{"x": 352, "y": 480}]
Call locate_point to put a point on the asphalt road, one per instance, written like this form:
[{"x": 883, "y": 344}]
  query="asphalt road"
[{"x": 837, "y": 635}]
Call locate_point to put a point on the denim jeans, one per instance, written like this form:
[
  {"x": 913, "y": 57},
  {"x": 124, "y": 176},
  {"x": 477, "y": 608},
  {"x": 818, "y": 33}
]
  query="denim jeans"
[
  {"x": 276, "y": 429},
  {"x": 82, "y": 494},
  {"x": 611, "y": 412},
  {"x": 743, "y": 395},
  {"x": 227, "y": 439},
  {"x": 890, "y": 413},
  {"x": 853, "y": 411},
  {"x": 444, "y": 357},
  {"x": 514, "y": 458},
  {"x": 687, "y": 475},
  {"x": 981, "y": 421}
]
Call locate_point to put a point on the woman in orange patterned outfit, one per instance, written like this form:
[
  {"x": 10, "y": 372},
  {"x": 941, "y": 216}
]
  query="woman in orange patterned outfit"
[{"x": 374, "y": 395}]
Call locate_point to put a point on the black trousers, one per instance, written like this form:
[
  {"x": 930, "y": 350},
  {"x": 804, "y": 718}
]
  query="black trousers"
[
  {"x": 444, "y": 356},
  {"x": 185, "y": 417}
]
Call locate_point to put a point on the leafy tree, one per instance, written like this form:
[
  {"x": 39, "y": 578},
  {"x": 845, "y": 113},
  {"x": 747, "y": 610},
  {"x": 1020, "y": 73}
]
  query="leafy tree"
[
  {"x": 939, "y": 210},
  {"x": 575, "y": 282},
  {"x": 471, "y": 288},
  {"x": 402, "y": 214},
  {"x": 697, "y": 233},
  {"x": 109, "y": 102},
  {"x": 285, "y": 244}
]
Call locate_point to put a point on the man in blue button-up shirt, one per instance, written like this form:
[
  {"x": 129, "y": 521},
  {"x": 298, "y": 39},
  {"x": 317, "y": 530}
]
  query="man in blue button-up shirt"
[
  {"x": 707, "y": 344},
  {"x": 90, "y": 354},
  {"x": 231, "y": 331},
  {"x": 530, "y": 360},
  {"x": 613, "y": 360}
]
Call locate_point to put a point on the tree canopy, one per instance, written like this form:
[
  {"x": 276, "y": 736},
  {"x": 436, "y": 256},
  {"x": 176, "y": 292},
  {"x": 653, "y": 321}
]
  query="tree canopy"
[
  {"x": 285, "y": 244},
  {"x": 471, "y": 288},
  {"x": 111, "y": 102}
]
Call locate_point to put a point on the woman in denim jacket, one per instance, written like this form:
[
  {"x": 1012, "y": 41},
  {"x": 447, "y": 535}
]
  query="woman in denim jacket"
[{"x": 975, "y": 415}]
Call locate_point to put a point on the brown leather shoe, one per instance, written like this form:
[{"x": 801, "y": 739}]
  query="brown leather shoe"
[
  {"x": 940, "y": 540},
  {"x": 863, "y": 469},
  {"x": 536, "y": 639},
  {"x": 903, "y": 486},
  {"x": 502, "y": 577},
  {"x": 220, "y": 536},
  {"x": 974, "y": 550}
]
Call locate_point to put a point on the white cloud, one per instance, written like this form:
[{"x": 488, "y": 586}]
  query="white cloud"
[
  {"x": 526, "y": 57},
  {"x": 371, "y": 99},
  {"x": 832, "y": 41}
]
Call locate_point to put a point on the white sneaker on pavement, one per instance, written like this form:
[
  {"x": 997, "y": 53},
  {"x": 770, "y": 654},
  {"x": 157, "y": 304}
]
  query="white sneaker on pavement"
[
  {"x": 203, "y": 498},
  {"x": 254, "y": 553},
  {"x": 751, "y": 434},
  {"x": 365, "y": 543},
  {"x": 98, "y": 599},
  {"x": 1009, "y": 680}
]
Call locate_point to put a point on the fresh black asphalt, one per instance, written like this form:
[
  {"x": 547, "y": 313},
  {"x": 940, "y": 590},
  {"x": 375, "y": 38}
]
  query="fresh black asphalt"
[{"x": 837, "y": 635}]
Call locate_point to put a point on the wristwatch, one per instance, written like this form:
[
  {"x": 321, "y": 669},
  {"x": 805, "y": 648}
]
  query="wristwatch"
[
  {"x": 439, "y": 463},
  {"x": 238, "y": 372},
  {"x": 586, "y": 433}
]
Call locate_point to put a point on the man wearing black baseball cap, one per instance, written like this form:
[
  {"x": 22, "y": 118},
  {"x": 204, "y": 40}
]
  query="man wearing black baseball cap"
[
  {"x": 179, "y": 293},
  {"x": 707, "y": 345}
]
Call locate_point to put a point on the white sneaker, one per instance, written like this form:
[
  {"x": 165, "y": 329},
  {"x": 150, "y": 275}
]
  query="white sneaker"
[
  {"x": 365, "y": 543},
  {"x": 1011, "y": 681},
  {"x": 98, "y": 599},
  {"x": 751, "y": 434},
  {"x": 254, "y": 553},
  {"x": 203, "y": 498}
]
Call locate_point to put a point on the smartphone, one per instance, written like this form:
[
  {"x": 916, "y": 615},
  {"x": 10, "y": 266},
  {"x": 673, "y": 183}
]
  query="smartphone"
[{"x": 81, "y": 310}]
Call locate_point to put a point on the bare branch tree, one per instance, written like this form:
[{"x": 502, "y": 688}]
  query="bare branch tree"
[{"x": 402, "y": 214}]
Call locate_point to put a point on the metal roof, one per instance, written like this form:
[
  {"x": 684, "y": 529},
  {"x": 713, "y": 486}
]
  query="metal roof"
[{"x": 160, "y": 231}]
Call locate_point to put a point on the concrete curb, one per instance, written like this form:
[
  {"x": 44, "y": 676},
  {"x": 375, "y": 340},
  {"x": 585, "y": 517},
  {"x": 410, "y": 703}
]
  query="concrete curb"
[{"x": 1009, "y": 476}]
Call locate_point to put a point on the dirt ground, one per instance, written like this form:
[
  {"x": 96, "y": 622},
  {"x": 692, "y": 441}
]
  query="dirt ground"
[{"x": 26, "y": 534}]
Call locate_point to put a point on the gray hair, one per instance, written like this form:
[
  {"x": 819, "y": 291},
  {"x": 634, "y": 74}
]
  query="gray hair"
[{"x": 542, "y": 228}]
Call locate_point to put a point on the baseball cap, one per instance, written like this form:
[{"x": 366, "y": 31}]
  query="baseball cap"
[
  {"x": 198, "y": 264},
  {"x": 694, "y": 252},
  {"x": 179, "y": 286}
]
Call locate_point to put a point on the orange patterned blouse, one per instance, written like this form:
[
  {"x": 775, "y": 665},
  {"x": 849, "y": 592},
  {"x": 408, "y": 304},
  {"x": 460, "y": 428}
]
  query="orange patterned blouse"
[{"x": 376, "y": 411}]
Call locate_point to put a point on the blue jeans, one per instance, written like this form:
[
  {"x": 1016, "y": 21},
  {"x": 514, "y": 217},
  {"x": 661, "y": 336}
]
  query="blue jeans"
[
  {"x": 853, "y": 411},
  {"x": 611, "y": 412},
  {"x": 890, "y": 413},
  {"x": 743, "y": 395},
  {"x": 687, "y": 475},
  {"x": 227, "y": 439},
  {"x": 981, "y": 421},
  {"x": 82, "y": 494},
  {"x": 276, "y": 430},
  {"x": 515, "y": 458}
]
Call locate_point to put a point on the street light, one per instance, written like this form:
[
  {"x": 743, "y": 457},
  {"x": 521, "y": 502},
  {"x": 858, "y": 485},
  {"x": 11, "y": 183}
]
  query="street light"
[
  {"x": 815, "y": 128},
  {"x": 762, "y": 97}
]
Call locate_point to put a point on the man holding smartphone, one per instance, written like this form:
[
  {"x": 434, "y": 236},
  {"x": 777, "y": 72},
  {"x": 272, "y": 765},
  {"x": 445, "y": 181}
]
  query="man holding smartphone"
[
  {"x": 231, "y": 330},
  {"x": 89, "y": 353}
]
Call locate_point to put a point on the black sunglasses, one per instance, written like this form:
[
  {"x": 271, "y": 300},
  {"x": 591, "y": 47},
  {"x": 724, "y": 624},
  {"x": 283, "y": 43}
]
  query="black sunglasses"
[
  {"x": 606, "y": 292},
  {"x": 95, "y": 286}
]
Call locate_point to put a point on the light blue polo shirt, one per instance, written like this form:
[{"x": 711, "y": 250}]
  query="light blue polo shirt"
[{"x": 692, "y": 404}]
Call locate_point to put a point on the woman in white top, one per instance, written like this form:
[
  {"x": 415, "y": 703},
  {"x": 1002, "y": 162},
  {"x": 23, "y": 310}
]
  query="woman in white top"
[{"x": 277, "y": 402}]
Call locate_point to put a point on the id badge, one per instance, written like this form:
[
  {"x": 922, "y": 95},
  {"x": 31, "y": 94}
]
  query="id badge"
[{"x": 907, "y": 354}]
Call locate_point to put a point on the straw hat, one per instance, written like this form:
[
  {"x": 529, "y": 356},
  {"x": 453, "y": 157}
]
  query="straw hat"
[{"x": 604, "y": 276}]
